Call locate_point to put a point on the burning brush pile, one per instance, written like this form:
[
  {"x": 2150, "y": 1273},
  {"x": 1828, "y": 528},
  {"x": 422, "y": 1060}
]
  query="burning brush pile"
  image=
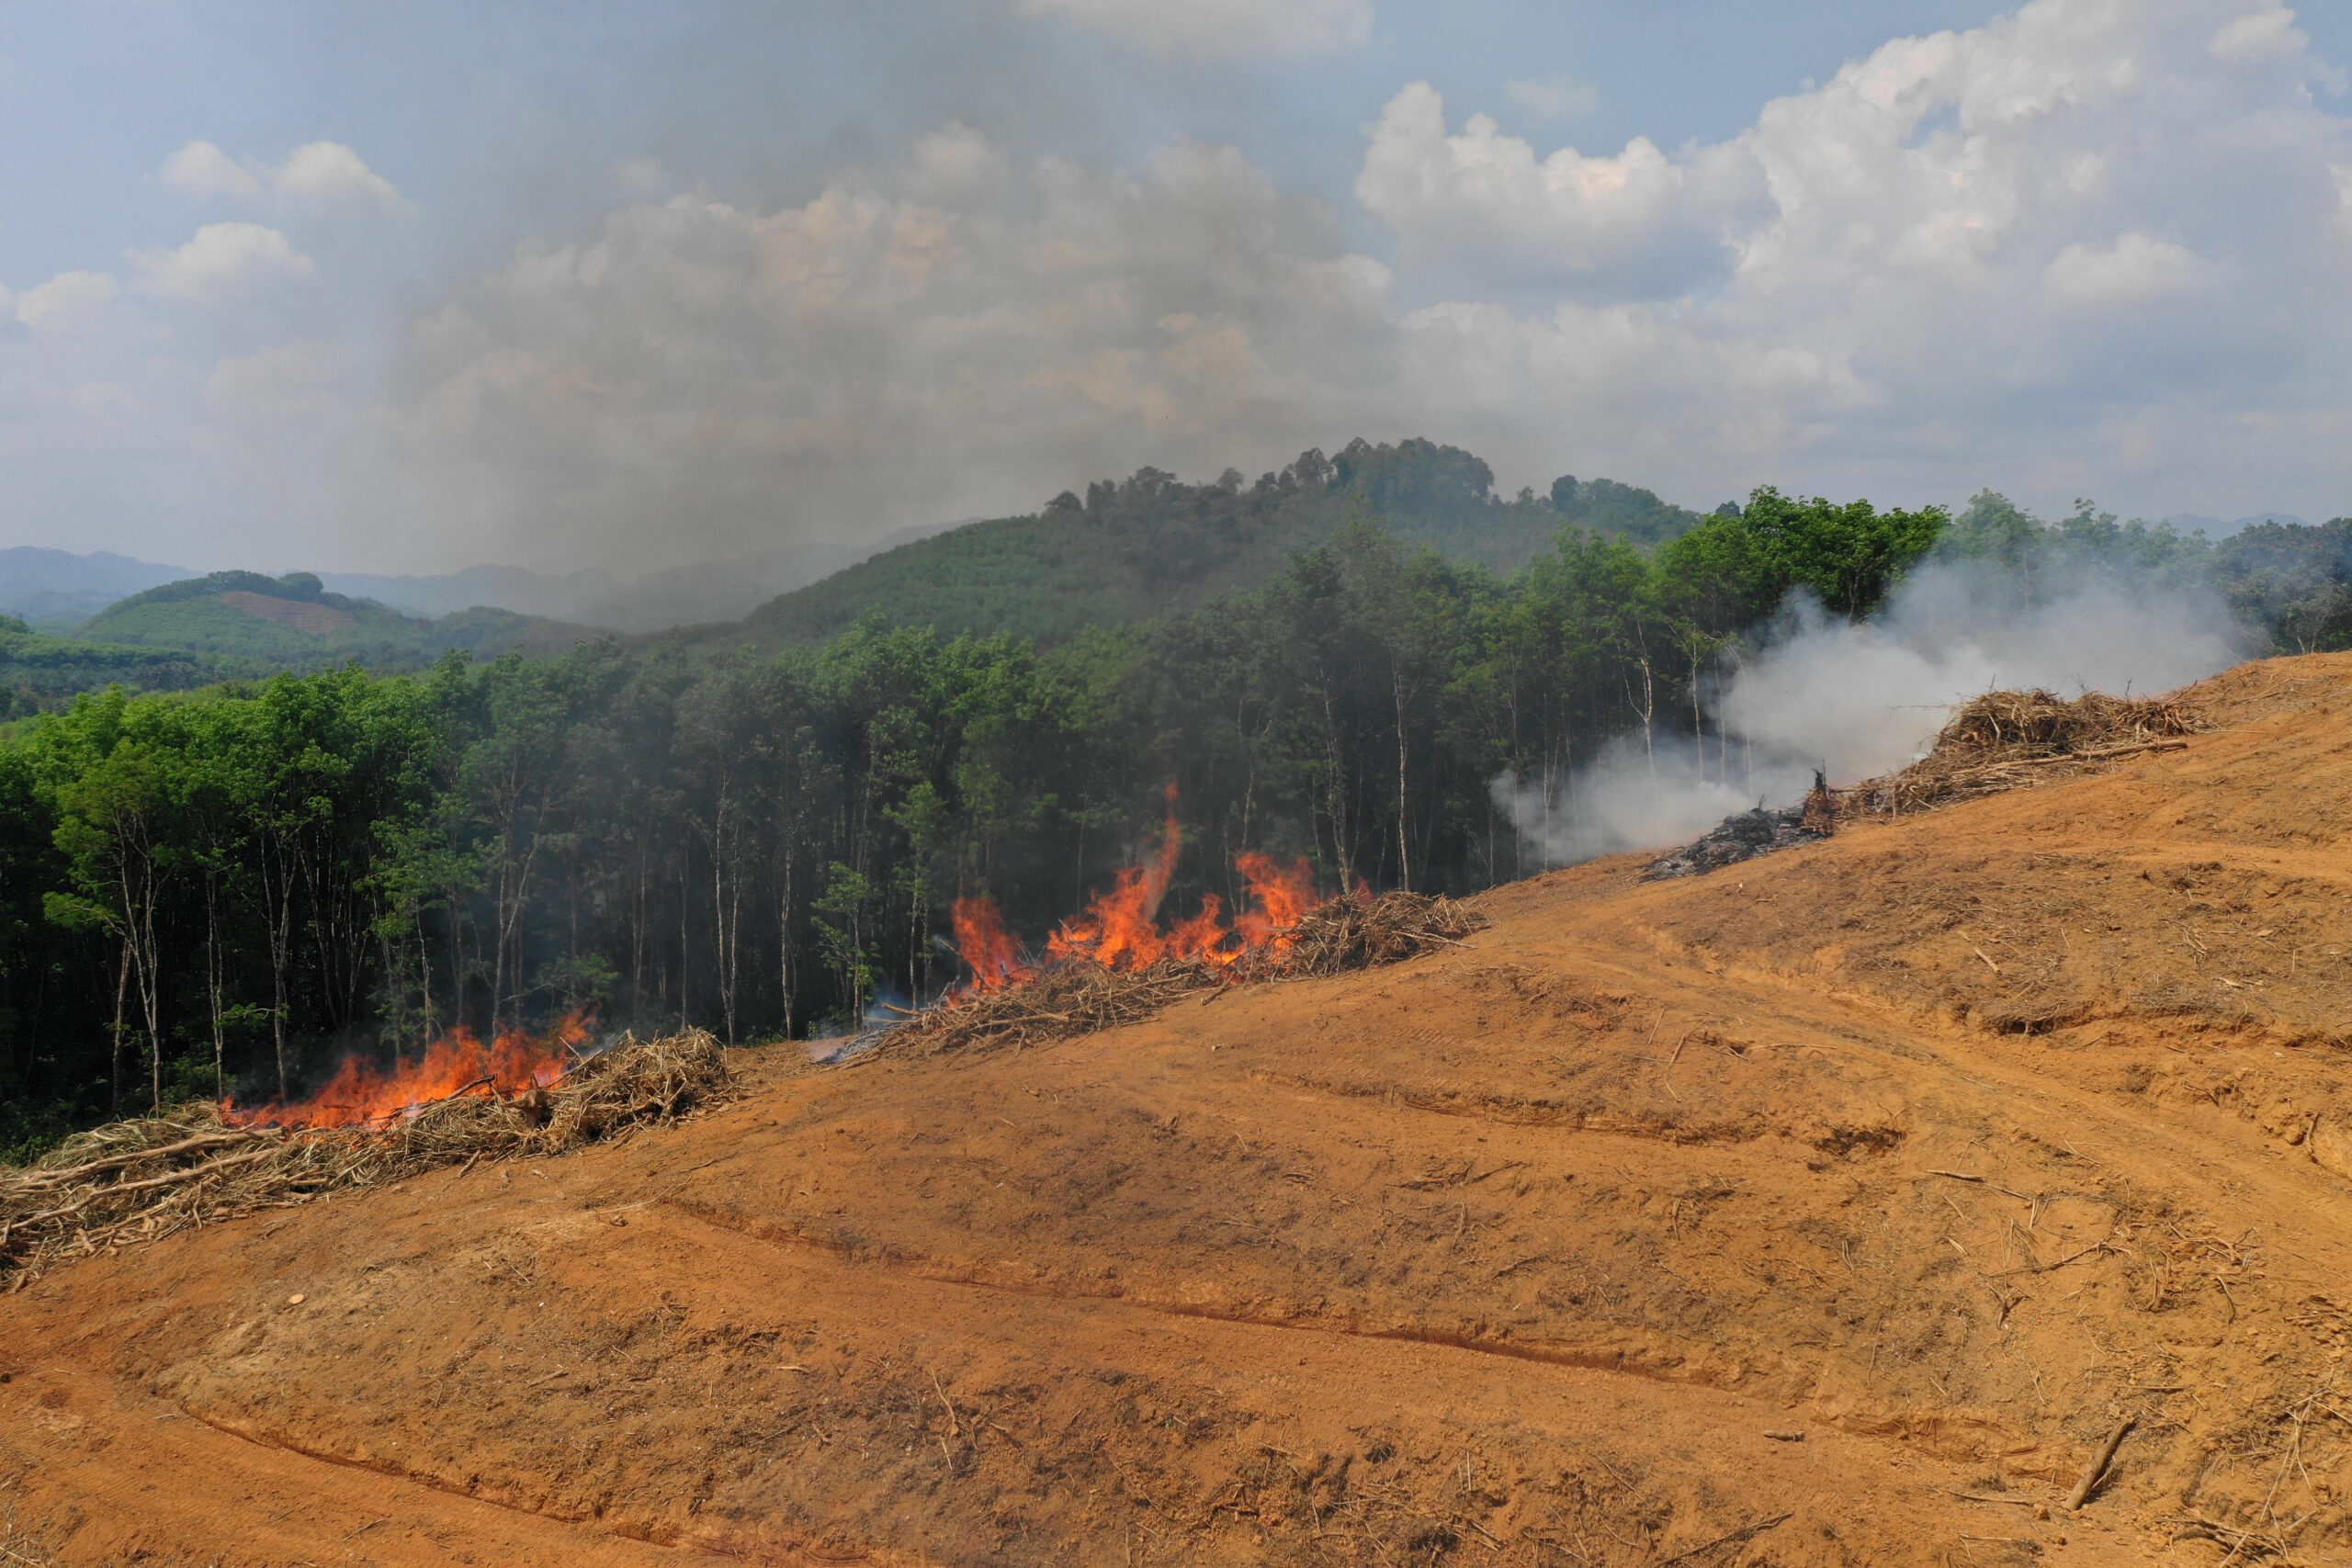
[
  {"x": 145, "y": 1180},
  {"x": 1117, "y": 965}
]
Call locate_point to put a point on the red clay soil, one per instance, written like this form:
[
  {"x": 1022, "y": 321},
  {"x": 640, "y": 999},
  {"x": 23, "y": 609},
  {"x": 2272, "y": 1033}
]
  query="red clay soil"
[
  {"x": 1828, "y": 1210},
  {"x": 302, "y": 615}
]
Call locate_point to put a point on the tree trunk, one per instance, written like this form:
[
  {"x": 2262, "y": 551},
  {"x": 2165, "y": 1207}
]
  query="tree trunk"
[
  {"x": 1404, "y": 853},
  {"x": 122, "y": 989}
]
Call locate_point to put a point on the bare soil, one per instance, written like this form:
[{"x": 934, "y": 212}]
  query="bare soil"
[{"x": 1830, "y": 1209}]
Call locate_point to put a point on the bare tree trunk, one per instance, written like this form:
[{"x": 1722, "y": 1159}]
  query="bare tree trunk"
[
  {"x": 1404, "y": 853},
  {"x": 212, "y": 990},
  {"x": 121, "y": 988}
]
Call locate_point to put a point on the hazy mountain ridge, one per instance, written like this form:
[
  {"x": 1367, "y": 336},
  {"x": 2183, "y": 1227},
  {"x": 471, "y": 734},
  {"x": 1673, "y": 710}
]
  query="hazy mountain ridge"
[{"x": 1150, "y": 544}]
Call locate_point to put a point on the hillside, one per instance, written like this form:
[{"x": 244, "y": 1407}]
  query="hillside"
[
  {"x": 1829, "y": 1210},
  {"x": 37, "y": 670},
  {"x": 264, "y": 624},
  {"x": 56, "y": 590},
  {"x": 1149, "y": 544}
]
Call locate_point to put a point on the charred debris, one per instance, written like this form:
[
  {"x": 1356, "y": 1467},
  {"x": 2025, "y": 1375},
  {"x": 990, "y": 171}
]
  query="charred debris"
[{"x": 2002, "y": 741}]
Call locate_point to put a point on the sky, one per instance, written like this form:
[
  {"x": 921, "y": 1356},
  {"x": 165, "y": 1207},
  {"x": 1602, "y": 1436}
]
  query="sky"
[{"x": 409, "y": 286}]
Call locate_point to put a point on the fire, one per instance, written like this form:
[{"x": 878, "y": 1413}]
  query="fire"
[
  {"x": 982, "y": 942},
  {"x": 1121, "y": 930},
  {"x": 362, "y": 1095}
]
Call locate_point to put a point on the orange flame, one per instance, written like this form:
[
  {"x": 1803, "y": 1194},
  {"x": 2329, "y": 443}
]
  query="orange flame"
[
  {"x": 983, "y": 944},
  {"x": 362, "y": 1095},
  {"x": 1120, "y": 929}
]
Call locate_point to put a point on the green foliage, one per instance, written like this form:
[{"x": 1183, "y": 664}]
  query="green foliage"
[
  {"x": 1618, "y": 510},
  {"x": 761, "y": 841},
  {"x": 226, "y": 618},
  {"x": 2295, "y": 583},
  {"x": 1149, "y": 546},
  {"x": 40, "y": 672},
  {"x": 1848, "y": 555}
]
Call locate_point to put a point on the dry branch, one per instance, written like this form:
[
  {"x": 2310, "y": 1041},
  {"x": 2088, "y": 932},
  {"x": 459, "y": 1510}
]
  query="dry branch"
[
  {"x": 2098, "y": 1467},
  {"x": 2003, "y": 740},
  {"x": 1077, "y": 997},
  {"x": 77, "y": 1201}
]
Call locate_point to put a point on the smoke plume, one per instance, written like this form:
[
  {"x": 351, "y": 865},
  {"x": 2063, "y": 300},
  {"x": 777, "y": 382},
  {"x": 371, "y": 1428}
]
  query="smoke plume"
[{"x": 1860, "y": 698}]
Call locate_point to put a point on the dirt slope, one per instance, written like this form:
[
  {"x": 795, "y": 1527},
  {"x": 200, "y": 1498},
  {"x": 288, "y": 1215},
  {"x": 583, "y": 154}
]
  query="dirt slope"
[{"x": 1828, "y": 1210}]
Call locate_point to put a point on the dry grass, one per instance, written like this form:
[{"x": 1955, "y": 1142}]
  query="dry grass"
[
  {"x": 141, "y": 1180},
  {"x": 2003, "y": 740},
  {"x": 1078, "y": 998}
]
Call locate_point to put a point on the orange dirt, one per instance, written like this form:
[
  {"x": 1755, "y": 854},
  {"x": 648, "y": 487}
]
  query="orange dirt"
[
  {"x": 1932, "y": 1148},
  {"x": 317, "y": 620}
]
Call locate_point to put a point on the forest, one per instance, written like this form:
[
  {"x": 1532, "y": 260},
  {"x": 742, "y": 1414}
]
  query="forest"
[{"x": 225, "y": 892}]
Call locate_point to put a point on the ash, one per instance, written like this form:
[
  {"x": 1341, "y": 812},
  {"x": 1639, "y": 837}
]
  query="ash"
[{"x": 1747, "y": 834}]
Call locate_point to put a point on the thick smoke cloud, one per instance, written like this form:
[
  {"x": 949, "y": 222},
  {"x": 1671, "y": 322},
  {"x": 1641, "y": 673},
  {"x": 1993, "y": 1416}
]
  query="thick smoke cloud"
[
  {"x": 939, "y": 341},
  {"x": 1860, "y": 699},
  {"x": 2088, "y": 249}
]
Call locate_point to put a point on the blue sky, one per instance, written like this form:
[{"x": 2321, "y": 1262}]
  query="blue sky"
[{"x": 408, "y": 286}]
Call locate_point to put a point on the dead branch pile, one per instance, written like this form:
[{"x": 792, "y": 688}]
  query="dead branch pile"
[
  {"x": 1070, "y": 999},
  {"x": 145, "y": 1180},
  {"x": 1078, "y": 998},
  {"x": 1356, "y": 933},
  {"x": 2003, "y": 740}
]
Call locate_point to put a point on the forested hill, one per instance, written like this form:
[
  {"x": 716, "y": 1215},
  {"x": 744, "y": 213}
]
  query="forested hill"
[
  {"x": 1149, "y": 544},
  {"x": 257, "y": 625}
]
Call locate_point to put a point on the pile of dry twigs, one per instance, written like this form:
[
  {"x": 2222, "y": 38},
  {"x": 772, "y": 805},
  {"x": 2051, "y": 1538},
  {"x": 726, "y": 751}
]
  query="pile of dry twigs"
[
  {"x": 1064, "y": 1000},
  {"x": 1358, "y": 934},
  {"x": 2003, "y": 740},
  {"x": 145, "y": 1180},
  {"x": 1078, "y": 998}
]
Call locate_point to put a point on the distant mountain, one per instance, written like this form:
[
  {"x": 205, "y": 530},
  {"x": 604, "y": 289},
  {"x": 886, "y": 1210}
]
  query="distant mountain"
[
  {"x": 57, "y": 586},
  {"x": 257, "y": 625},
  {"x": 566, "y": 598},
  {"x": 1149, "y": 544}
]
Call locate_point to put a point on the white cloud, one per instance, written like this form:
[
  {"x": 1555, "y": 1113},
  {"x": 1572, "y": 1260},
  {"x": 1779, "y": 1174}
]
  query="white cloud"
[
  {"x": 1897, "y": 283},
  {"x": 2135, "y": 268},
  {"x": 944, "y": 339},
  {"x": 1480, "y": 189},
  {"x": 66, "y": 299},
  {"x": 1881, "y": 287},
  {"x": 328, "y": 173},
  {"x": 201, "y": 169},
  {"x": 1553, "y": 98},
  {"x": 223, "y": 261},
  {"x": 1207, "y": 28},
  {"x": 317, "y": 175},
  {"x": 2259, "y": 34}
]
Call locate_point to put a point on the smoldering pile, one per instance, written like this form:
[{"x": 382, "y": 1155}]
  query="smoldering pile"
[
  {"x": 1080, "y": 997},
  {"x": 2005, "y": 740},
  {"x": 2001, "y": 740},
  {"x": 1742, "y": 836},
  {"x": 144, "y": 1180}
]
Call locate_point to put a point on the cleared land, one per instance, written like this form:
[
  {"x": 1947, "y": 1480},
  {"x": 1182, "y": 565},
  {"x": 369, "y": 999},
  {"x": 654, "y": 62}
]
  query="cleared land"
[{"x": 1829, "y": 1209}]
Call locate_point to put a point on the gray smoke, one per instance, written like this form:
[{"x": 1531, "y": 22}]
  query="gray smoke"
[{"x": 1861, "y": 698}]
